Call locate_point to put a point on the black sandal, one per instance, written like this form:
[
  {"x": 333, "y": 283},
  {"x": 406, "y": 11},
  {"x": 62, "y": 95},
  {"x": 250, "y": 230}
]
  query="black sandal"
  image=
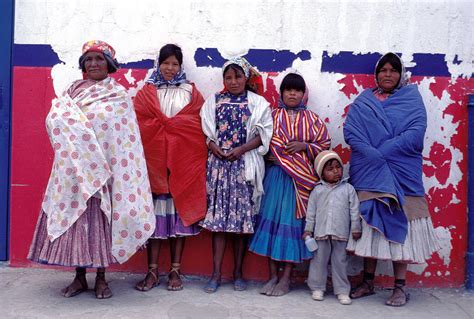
[
  {"x": 370, "y": 291},
  {"x": 175, "y": 268},
  {"x": 106, "y": 293},
  {"x": 401, "y": 288},
  {"x": 142, "y": 286}
]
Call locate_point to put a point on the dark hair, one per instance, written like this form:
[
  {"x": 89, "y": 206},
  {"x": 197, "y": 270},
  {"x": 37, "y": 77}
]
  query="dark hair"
[
  {"x": 238, "y": 68},
  {"x": 170, "y": 50},
  {"x": 329, "y": 162},
  {"x": 391, "y": 58},
  {"x": 293, "y": 81},
  {"x": 112, "y": 64}
]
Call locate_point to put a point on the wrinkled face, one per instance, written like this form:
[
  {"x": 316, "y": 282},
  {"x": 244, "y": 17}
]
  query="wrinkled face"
[
  {"x": 170, "y": 67},
  {"x": 235, "y": 81},
  {"x": 96, "y": 66},
  {"x": 388, "y": 77},
  {"x": 332, "y": 172},
  {"x": 292, "y": 97}
]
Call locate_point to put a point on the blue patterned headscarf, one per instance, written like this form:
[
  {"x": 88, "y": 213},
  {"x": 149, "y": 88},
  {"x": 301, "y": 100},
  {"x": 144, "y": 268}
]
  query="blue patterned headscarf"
[
  {"x": 158, "y": 80},
  {"x": 240, "y": 61}
]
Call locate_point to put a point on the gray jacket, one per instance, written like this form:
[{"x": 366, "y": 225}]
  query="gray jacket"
[{"x": 333, "y": 210}]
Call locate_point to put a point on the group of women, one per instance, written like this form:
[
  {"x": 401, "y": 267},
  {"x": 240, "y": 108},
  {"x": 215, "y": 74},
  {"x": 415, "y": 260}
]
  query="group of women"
[{"x": 129, "y": 174}]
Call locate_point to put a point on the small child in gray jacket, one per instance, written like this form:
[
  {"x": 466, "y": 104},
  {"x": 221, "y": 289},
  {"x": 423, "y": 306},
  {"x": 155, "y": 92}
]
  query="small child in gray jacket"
[{"x": 332, "y": 216}]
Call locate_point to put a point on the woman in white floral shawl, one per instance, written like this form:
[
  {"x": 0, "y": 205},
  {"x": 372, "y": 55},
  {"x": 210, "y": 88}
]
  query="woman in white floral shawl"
[{"x": 97, "y": 205}]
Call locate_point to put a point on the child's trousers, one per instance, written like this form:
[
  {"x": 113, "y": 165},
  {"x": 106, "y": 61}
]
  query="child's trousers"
[{"x": 318, "y": 268}]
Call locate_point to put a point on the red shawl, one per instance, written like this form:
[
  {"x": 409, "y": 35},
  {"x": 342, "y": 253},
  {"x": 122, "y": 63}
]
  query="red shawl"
[{"x": 175, "y": 152}]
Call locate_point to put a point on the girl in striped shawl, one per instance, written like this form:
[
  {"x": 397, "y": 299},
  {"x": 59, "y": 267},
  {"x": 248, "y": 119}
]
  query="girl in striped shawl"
[{"x": 298, "y": 136}]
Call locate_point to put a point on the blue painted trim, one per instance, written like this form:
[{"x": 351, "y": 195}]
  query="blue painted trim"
[
  {"x": 344, "y": 62},
  {"x": 42, "y": 55},
  {"x": 470, "y": 197},
  {"x": 143, "y": 64},
  {"x": 34, "y": 55},
  {"x": 264, "y": 60},
  {"x": 7, "y": 10},
  {"x": 348, "y": 62}
]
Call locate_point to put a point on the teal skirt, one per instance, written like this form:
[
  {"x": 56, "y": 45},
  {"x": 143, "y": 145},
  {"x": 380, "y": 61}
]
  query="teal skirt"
[{"x": 279, "y": 232}]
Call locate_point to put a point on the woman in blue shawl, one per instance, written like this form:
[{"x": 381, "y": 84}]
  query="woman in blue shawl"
[{"x": 385, "y": 128}]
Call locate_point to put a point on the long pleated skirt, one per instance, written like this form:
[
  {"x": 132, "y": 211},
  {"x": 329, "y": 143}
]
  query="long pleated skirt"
[
  {"x": 87, "y": 243},
  {"x": 279, "y": 232},
  {"x": 420, "y": 243},
  {"x": 168, "y": 222}
]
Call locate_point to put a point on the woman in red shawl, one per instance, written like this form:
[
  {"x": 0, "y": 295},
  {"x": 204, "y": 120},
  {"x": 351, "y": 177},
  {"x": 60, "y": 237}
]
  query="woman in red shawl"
[{"x": 168, "y": 109}]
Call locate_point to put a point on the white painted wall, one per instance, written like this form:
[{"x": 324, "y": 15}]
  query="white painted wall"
[{"x": 137, "y": 29}]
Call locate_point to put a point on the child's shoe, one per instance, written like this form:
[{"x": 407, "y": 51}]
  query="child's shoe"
[
  {"x": 318, "y": 295},
  {"x": 344, "y": 299}
]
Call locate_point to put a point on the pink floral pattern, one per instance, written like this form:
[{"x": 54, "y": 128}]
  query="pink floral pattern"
[{"x": 98, "y": 152}]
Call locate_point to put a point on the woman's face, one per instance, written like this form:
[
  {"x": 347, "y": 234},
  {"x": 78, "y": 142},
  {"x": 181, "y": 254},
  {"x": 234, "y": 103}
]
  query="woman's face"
[
  {"x": 388, "y": 77},
  {"x": 292, "y": 97},
  {"x": 235, "y": 81},
  {"x": 96, "y": 66},
  {"x": 169, "y": 68}
]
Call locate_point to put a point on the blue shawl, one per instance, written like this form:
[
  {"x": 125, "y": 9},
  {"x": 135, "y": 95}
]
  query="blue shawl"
[{"x": 386, "y": 140}]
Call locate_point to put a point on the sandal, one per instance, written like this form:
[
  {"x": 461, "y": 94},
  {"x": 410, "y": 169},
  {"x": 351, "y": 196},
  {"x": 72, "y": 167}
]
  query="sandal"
[
  {"x": 211, "y": 286},
  {"x": 105, "y": 292},
  {"x": 175, "y": 268},
  {"x": 240, "y": 285},
  {"x": 81, "y": 278},
  {"x": 142, "y": 285},
  {"x": 365, "y": 285},
  {"x": 390, "y": 301}
]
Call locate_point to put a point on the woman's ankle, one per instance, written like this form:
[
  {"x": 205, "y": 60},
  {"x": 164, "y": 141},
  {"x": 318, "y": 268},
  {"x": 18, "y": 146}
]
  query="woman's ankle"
[{"x": 216, "y": 276}]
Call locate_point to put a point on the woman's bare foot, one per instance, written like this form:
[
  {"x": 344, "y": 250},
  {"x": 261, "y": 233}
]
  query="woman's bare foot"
[
  {"x": 102, "y": 290},
  {"x": 268, "y": 286},
  {"x": 78, "y": 285},
  {"x": 282, "y": 288}
]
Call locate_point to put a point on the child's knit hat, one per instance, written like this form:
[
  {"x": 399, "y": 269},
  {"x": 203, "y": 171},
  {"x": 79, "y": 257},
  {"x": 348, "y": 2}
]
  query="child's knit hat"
[{"x": 322, "y": 159}]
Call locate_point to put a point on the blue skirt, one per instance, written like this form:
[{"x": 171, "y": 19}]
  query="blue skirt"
[{"x": 279, "y": 232}]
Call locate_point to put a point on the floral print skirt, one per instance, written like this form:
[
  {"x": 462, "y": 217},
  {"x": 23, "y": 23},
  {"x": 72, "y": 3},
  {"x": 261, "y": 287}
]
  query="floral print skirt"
[{"x": 229, "y": 197}]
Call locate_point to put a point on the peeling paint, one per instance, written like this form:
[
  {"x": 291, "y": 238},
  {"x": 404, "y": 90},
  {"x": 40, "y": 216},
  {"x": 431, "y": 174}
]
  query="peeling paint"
[{"x": 444, "y": 240}]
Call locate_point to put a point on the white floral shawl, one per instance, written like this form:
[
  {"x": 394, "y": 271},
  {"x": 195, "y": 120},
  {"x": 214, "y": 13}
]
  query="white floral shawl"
[{"x": 98, "y": 152}]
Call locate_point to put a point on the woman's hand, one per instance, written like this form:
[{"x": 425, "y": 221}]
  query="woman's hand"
[
  {"x": 307, "y": 233},
  {"x": 235, "y": 153},
  {"x": 216, "y": 150},
  {"x": 295, "y": 147}
]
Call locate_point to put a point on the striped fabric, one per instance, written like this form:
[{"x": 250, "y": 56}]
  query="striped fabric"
[{"x": 307, "y": 128}]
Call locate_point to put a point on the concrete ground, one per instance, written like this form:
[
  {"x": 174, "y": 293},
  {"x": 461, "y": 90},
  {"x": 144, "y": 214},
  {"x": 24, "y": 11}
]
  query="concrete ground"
[{"x": 34, "y": 293}]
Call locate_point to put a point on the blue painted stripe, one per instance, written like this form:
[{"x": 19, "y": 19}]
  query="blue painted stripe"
[
  {"x": 264, "y": 60},
  {"x": 7, "y": 13},
  {"x": 344, "y": 62},
  {"x": 143, "y": 64},
  {"x": 349, "y": 62},
  {"x": 42, "y": 55},
  {"x": 470, "y": 198},
  {"x": 430, "y": 65},
  {"x": 34, "y": 55}
]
